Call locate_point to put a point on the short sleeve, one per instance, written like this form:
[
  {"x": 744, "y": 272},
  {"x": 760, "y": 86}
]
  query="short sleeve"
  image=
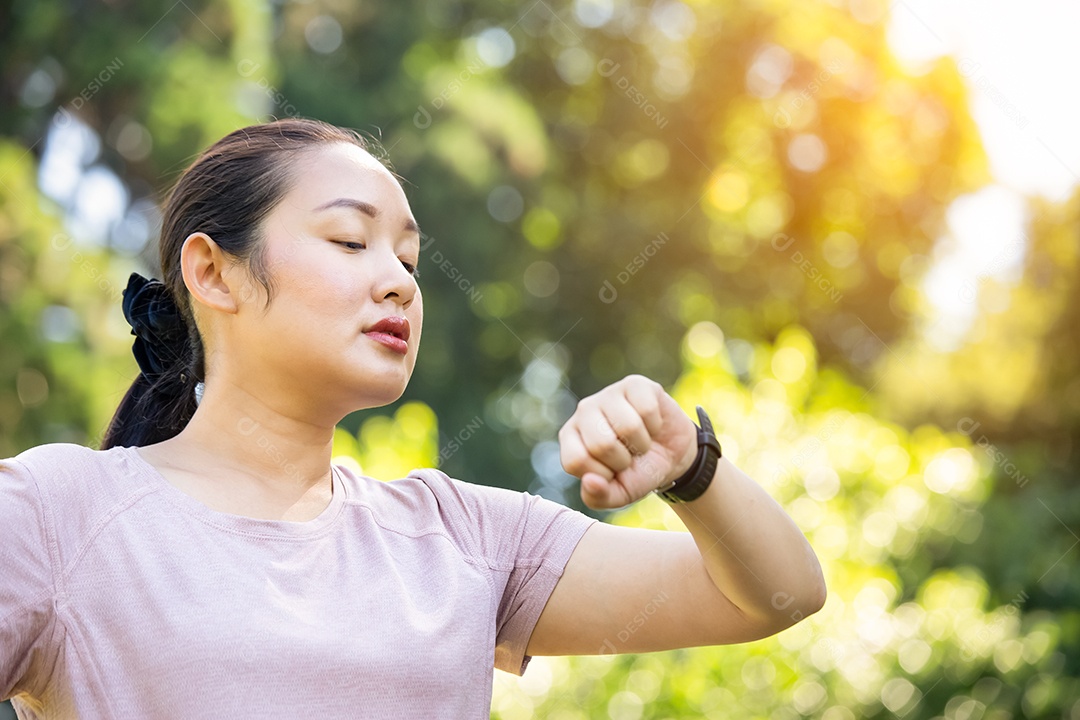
[
  {"x": 549, "y": 534},
  {"x": 26, "y": 581},
  {"x": 526, "y": 540}
]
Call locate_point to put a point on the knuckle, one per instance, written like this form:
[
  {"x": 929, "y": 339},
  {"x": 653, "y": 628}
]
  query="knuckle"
[
  {"x": 609, "y": 445},
  {"x": 645, "y": 442},
  {"x": 575, "y": 465}
]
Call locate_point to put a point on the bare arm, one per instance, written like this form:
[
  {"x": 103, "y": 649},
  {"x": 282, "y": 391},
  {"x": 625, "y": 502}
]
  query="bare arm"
[{"x": 743, "y": 572}]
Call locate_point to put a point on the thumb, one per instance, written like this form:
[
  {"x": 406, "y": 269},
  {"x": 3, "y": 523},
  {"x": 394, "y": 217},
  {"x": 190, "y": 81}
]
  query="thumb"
[
  {"x": 597, "y": 491},
  {"x": 594, "y": 485}
]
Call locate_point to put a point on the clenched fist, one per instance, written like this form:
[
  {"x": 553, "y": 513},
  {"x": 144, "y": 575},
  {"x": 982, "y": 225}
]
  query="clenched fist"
[{"x": 626, "y": 441}]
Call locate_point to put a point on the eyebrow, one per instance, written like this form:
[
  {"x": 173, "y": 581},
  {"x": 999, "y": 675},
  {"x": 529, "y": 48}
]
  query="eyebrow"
[{"x": 368, "y": 209}]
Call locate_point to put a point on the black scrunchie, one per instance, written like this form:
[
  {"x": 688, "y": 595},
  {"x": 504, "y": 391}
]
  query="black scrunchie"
[{"x": 159, "y": 328}]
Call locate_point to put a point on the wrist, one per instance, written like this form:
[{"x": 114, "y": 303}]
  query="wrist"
[
  {"x": 684, "y": 467},
  {"x": 693, "y": 482}
]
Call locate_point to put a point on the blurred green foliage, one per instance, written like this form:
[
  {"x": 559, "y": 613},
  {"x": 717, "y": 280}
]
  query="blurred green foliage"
[
  {"x": 738, "y": 200},
  {"x": 898, "y": 637}
]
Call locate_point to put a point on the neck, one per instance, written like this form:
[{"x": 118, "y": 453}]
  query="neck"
[{"x": 254, "y": 438}]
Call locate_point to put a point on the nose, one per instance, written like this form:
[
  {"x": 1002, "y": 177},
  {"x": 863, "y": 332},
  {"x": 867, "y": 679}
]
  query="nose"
[{"x": 392, "y": 279}]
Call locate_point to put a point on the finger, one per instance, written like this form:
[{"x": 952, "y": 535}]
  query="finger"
[
  {"x": 598, "y": 492},
  {"x": 575, "y": 458},
  {"x": 628, "y": 425},
  {"x": 645, "y": 473},
  {"x": 645, "y": 398},
  {"x": 601, "y": 440},
  {"x": 594, "y": 488}
]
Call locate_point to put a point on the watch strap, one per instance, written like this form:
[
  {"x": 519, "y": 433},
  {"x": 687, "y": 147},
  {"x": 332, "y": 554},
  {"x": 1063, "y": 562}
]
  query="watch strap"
[{"x": 692, "y": 484}]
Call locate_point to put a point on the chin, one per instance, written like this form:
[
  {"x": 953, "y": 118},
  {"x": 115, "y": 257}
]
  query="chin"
[{"x": 380, "y": 397}]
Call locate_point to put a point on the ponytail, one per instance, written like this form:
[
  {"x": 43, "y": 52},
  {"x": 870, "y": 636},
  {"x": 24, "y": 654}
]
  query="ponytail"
[
  {"x": 164, "y": 396},
  {"x": 147, "y": 415}
]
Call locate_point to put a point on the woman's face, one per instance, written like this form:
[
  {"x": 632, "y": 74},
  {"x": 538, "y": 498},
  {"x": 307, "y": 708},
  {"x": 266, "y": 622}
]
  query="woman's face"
[{"x": 340, "y": 247}]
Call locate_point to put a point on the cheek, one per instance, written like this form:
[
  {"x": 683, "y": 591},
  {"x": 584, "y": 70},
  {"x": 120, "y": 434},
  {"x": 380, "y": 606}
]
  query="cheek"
[
  {"x": 416, "y": 313},
  {"x": 317, "y": 277},
  {"x": 311, "y": 302},
  {"x": 330, "y": 300}
]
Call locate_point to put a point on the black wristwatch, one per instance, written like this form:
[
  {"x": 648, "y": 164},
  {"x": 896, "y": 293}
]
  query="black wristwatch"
[{"x": 693, "y": 483}]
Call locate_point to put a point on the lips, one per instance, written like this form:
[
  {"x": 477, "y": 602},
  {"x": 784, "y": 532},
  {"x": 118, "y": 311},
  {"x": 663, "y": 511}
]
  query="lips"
[{"x": 392, "y": 325}]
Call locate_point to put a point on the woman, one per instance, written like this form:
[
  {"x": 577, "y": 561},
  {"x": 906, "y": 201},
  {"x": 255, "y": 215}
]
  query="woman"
[{"x": 209, "y": 560}]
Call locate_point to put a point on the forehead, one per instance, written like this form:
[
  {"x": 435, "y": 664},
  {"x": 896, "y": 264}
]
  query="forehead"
[{"x": 344, "y": 170}]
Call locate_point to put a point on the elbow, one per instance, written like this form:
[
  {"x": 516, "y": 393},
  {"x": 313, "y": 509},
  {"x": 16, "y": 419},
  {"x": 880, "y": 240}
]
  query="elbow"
[
  {"x": 812, "y": 601},
  {"x": 809, "y": 601},
  {"x": 787, "y": 610},
  {"x": 817, "y": 598},
  {"x": 816, "y": 593}
]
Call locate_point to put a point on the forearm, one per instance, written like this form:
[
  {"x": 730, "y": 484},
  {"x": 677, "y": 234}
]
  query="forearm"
[{"x": 752, "y": 549}]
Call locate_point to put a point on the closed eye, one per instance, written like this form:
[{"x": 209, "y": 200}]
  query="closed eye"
[
  {"x": 413, "y": 270},
  {"x": 359, "y": 246}
]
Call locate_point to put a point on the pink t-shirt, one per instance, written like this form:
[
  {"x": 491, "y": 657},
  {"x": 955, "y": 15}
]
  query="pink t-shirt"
[{"x": 123, "y": 597}]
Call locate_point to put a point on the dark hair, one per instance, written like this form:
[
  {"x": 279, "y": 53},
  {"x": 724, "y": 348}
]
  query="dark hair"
[{"x": 226, "y": 193}]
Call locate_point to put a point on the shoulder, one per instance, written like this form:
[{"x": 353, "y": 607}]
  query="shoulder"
[
  {"x": 503, "y": 527},
  {"x": 68, "y": 466},
  {"x": 426, "y": 500},
  {"x": 75, "y": 485},
  {"x": 423, "y": 492},
  {"x": 457, "y": 503},
  {"x": 53, "y": 465},
  {"x": 63, "y": 470},
  {"x": 54, "y": 454}
]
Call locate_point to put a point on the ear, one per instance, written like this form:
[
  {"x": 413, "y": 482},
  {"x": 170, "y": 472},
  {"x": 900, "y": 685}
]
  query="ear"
[{"x": 210, "y": 278}]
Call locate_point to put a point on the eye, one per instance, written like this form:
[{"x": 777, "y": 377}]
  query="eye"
[
  {"x": 358, "y": 245},
  {"x": 354, "y": 245}
]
